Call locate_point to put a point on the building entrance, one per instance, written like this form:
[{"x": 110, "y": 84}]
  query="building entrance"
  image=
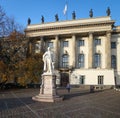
[{"x": 64, "y": 79}]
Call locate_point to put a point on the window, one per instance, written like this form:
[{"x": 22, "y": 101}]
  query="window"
[
  {"x": 81, "y": 60},
  {"x": 65, "y": 61},
  {"x": 81, "y": 43},
  {"x": 113, "y": 61},
  {"x": 113, "y": 45},
  {"x": 100, "y": 80},
  {"x": 97, "y": 41},
  {"x": 50, "y": 44},
  {"x": 97, "y": 60},
  {"x": 65, "y": 43},
  {"x": 82, "y": 79},
  {"x": 37, "y": 47}
]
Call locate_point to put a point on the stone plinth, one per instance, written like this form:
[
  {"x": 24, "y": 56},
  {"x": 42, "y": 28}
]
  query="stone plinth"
[{"x": 48, "y": 91}]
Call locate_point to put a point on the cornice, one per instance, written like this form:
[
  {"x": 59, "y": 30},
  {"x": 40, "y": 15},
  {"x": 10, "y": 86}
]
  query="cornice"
[
  {"x": 116, "y": 30},
  {"x": 70, "y": 26}
]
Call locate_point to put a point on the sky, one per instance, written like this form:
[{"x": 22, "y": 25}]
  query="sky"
[{"x": 21, "y": 10}]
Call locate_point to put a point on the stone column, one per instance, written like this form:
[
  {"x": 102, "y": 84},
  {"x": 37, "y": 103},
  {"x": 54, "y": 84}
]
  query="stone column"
[
  {"x": 73, "y": 51},
  {"x": 57, "y": 51},
  {"x": 41, "y": 44},
  {"x": 90, "y": 50},
  {"x": 108, "y": 50}
]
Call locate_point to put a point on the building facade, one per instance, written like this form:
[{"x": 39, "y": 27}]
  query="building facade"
[{"x": 87, "y": 51}]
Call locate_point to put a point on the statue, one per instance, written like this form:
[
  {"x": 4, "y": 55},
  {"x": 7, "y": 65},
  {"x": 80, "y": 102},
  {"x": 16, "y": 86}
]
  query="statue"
[
  {"x": 56, "y": 17},
  {"x": 73, "y": 15},
  {"x": 48, "y": 59},
  {"x": 108, "y": 11},
  {"x": 91, "y": 13},
  {"x": 48, "y": 92},
  {"x": 29, "y": 21},
  {"x": 42, "y": 19}
]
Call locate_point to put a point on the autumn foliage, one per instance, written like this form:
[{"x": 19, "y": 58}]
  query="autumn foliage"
[{"x": 24, "y": 72}]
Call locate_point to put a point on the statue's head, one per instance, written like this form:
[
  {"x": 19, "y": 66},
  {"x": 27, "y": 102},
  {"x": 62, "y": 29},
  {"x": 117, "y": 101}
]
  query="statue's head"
[{"x": 48, "y": 48}]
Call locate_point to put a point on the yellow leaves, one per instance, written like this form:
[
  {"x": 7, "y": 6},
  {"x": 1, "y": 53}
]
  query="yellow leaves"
[{"x": 21, "y": 80}]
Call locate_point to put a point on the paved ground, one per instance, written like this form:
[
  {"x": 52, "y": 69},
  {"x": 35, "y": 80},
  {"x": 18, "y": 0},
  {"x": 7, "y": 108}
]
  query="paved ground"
[{"x": 77, "y": 104}]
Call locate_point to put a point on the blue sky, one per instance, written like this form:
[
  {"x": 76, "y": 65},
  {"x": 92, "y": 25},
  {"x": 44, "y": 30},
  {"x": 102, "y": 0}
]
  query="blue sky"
[{"x": 22, "y": 9}]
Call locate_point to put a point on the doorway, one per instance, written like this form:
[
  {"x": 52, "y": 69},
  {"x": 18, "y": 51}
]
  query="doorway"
[{"x": 64, "y": 79}]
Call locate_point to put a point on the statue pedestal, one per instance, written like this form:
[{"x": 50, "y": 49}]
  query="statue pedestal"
[{"x": 48, "y": 89}]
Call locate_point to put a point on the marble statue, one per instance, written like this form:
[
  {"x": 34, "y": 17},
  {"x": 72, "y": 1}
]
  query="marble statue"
[
  {"x": 48, "y": 92},
  {"x": 48, "y": 59}
]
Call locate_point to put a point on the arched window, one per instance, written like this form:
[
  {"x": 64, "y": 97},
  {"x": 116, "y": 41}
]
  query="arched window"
[
  {"x": 65, "y": 60},
  {"x": 113, "y": 61},
  {"x": 81, "y": 60},
  {"x": 97, "y": 60}
]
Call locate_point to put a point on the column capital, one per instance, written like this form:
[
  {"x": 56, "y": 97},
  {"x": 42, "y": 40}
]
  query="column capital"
[
  {"x": 90, "y": 33},
  {"x": 56, "y": 36},
  {"x": 108, "y": 33}
]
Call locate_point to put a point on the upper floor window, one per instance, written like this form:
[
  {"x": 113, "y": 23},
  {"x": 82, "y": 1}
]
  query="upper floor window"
[
  {"x": 100, "y": 79},
  {"x": 65, "y": 43},
  {"x": 81, "y": 43},
  {"x": 97, "y": 60},
  {"x": 50, "y": 44},
  {"x": 113, "y": 61},
  {"x": 113, "y": 45},
  {"x": 65, "y": 60},
  {"x": 97, "y": 41},
  {"x": 82, "y": 79},
  {"x": 81, "y": 60}
]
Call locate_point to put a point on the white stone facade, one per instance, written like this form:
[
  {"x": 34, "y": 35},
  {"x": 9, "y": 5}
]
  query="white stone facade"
[{"x": 83, "y": 49}]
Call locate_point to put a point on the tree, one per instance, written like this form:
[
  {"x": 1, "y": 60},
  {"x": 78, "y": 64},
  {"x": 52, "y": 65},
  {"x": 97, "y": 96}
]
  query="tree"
[
  {"x": 15, "y": 65},
  {"x": 2, "y": 20},
  {"x": 29, "y": 70},
  {"x": 8, "y": 24}
]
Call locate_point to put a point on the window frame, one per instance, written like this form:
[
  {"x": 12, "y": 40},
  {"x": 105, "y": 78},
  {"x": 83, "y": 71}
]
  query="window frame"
[
  {"x": 49, "y": 44},
  {"x": 113, "y": 62},
  {"x": 65, "y": 44},
  {"x": 82, "y": 79},
  {"x": 37, "y": 47},
  {"x": 97, "y": 60},
  {"x": 65, "y": 60},
  {"x": 113, "y": 45},
  {"x": 97, "y": 41},
  {"x": 81, "y": 42},
  {"x": 100, "y": 79},
  {"x": 81, "y": 61}
]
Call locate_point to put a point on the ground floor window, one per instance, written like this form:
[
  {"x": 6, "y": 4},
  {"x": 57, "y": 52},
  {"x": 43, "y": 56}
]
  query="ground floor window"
[
  {"x": 82, "y": 79},
  {"x": 100, "y": 80}
]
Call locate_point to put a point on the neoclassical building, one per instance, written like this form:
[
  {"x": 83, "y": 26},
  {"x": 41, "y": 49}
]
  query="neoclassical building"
[{"x": 87, "y": 51}]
